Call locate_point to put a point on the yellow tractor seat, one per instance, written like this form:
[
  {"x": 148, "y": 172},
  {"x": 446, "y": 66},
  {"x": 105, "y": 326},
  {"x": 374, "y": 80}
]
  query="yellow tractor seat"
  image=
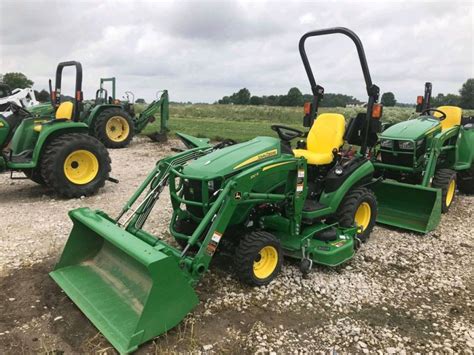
[
  {"x": 326, "y": 134},
  {"x": 64, "y": 111},
  {"x": 453, "y": 116}
]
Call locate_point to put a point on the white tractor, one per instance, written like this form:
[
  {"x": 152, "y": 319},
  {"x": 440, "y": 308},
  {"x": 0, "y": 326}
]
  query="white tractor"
[{"x": 25, "y": 98}]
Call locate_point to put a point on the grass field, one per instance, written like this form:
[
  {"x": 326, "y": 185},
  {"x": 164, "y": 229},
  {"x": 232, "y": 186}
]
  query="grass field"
[{"x": 245, "y": 122}]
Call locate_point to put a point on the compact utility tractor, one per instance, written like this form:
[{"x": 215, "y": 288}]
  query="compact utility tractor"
[
  {"x": 423, "y": 161},
  {"x": 56, "y": 152},
  {"x": 255, "y": 202},
  {"x": 114, "y": 122}
]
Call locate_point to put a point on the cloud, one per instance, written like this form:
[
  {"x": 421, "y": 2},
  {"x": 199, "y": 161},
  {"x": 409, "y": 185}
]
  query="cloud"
[{"x": 204, "y": 50}]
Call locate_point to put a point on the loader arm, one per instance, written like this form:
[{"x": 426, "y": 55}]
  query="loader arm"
[{"x": 133, "y": 285}]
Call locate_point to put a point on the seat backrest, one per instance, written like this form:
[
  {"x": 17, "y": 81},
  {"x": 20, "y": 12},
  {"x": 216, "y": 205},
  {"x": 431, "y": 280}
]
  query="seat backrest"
[
  {"x": 327, "y": 133},
  {"x": 453, "y": 116},
  {"x": 64, "y": 111}
]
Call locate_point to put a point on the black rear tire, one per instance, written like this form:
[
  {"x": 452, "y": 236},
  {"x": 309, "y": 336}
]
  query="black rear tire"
[
  {"x": 258, "y": 258},
  {"x": 35, "y": 175},
  {"x": 117, "y": 120},
  {"x": 445, "y": 179},
  {"x": 59, "y": 165},
  {"x": 358, "y": 200},
  {"x": 466, "y": 181}
]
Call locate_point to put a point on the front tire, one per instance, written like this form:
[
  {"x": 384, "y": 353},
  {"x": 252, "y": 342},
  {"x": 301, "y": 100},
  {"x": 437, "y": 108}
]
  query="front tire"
[
  {"x": 75, "y": 165},
  {"x": 186, "y": 227},
  {"x": 445, "y": 179},
  {"x": 359, "y": 207},
  {"x": 258, "y": 258},
  {"x": 114, "y": 128},
  {"x": 466, "y": 181}
]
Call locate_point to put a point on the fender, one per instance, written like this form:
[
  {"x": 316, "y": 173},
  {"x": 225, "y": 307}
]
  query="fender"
[
  {"x": 48, "y": 132},
  {"x": 334, "y": 199},
  {"x": 4, "y": 130}
]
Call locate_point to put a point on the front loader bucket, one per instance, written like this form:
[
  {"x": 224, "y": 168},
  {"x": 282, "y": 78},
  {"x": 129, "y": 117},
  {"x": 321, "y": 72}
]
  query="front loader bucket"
[
  {"x": 130, "y": 290},
  {"x": 406, "y": 206}
]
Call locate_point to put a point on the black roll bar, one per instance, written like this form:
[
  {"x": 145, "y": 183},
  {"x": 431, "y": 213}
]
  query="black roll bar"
[
  {"x": 78, "y": 95},
  {"x": 318, "y": 91}
]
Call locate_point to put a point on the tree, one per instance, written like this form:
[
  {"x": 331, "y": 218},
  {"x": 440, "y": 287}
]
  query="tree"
[
  {"x": 224, "y": 101},
  {"x": 42, "y": 96},
  {"x": 294, "y": 97},
  {"x": 140, "y": 101},
  {"x": 467, "y": 94},
  {"x": 388, "y": 99},
  {"x": 442, "y": 100},
  {"x": 241, "y": 97},
  {"x": 17, "y": 80},
  {"x": 256, "y": 100}
]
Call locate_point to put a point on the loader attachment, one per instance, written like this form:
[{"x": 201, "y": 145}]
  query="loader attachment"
[
  {"x": 130, "y": 290},
  {"x": 407, "y": 206}
]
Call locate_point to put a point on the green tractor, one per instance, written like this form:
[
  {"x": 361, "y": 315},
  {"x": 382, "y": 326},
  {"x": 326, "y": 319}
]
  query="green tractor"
[
  {"x": 254, "y": 202},
  {"x": 114, "y": 122},
  {"x": 423, "y": 161},
  {"x": 57, "y": 152}
]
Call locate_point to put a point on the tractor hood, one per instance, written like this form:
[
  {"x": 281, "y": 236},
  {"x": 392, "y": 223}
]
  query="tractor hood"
[
  {"x": 412, "y": 129},
  {"x": 41, "y": 110},
  {"x": 231, "y": 159}
]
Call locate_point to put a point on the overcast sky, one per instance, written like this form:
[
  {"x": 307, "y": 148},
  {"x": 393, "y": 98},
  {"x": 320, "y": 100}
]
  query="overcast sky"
[{"x": 201, "y": 51}]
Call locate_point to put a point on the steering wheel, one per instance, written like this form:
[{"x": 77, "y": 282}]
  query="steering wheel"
[
  {"x": 428, "y": 110},
  {"x": 286, "y": 134}
]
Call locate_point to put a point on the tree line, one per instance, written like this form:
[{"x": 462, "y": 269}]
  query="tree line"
[{"x": 294, "y": 97}]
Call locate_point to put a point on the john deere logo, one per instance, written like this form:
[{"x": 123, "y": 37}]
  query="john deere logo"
[{"x": 267, "y": 154}]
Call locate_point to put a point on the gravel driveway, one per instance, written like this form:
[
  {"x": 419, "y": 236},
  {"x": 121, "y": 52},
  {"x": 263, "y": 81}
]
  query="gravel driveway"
[{"x": 402, "y": 292}]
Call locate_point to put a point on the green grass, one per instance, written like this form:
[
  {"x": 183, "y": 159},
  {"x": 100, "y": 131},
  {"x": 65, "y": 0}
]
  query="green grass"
[{"x": 245, "y": 122}]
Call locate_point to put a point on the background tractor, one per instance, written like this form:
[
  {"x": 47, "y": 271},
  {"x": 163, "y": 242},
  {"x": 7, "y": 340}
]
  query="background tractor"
[
  {"x": 254, "y": 202},
  {"x": 54, "y": 152},
  {"x": 424, "y": 160},
  {"x": 25, "y": 98},
  {"x": 114, "y": 122}
]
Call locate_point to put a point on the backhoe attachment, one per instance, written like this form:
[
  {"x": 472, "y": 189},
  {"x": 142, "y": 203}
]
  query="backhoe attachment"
[{"x": 148, "y": 116}]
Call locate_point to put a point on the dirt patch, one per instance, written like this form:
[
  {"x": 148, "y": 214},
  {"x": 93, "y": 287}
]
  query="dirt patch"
[{"x": 38, "y": 317}]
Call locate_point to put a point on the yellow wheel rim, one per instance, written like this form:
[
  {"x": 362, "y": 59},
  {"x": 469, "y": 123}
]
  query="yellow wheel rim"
[
  {"x": 362, "y": 215},
  {"x": 117, "y": 129},
  {"x": 265, "y": 263},
  {"x": 81, "y": 167},
  {"x": 450, "y": 193}
]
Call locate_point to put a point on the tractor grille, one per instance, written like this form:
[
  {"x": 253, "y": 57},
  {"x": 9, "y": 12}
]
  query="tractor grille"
[
  {"x": 399, "y": 159},
  {"x": 402, "y": 157},
  {"x": 193, "y": 192}
]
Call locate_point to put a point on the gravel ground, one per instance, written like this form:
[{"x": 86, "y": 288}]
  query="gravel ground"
[{"x": 401, "y": 293}]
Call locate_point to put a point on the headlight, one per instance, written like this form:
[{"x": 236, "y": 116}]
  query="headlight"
[
  {"x": 386, "y": 143},
  {"x": 210, "y": 185},
  {"x": 405, "y": 145}
]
